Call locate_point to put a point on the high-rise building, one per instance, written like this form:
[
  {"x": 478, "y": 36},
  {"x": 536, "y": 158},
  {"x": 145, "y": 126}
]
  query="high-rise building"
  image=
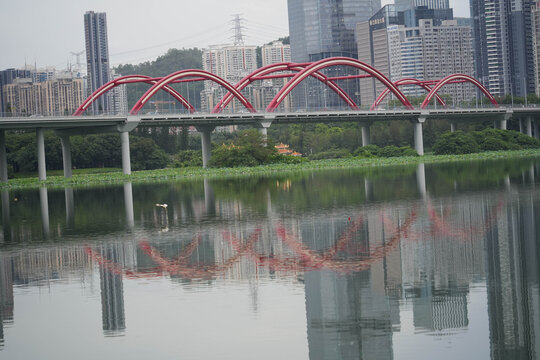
[
  {"x": 321, "y": 29},
  {"x": 231, "y": 63},
  {"x": 118, "y": 97},
  {"x": 7, "y": 77},
  {"x": 503, "y": 43},
  {"x": 59, "y": 96},
  {"x": 424, "y": 52},
  {"x": 266, "y": 90},
  {"x": 431, "y": 4},
  {"x": 536, "y": 43},
  {"x": 97, "y": 56}
]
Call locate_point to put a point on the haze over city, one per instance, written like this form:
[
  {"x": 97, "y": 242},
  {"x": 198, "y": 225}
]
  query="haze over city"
[{"x": 46, "y": 32}]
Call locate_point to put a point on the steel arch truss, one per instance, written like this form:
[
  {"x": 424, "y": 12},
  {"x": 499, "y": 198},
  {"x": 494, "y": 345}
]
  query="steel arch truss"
[
  {"x": 129, "y": 79},
  {"x": 336, "y": 61},
  {"x": 404, "y": 82},
  {"x": 202, "y": 75},
  {"x": 265, "y": 71},
  {"x": 458, "y": 78}
]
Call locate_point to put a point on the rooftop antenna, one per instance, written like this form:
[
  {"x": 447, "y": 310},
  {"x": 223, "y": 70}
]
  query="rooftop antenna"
[{"x": 238, "y": 36}]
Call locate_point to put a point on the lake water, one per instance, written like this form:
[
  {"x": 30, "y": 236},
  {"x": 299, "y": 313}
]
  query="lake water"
[{"x": 421, "y": 262}]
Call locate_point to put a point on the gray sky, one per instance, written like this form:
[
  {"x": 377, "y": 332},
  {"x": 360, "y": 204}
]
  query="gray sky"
[{"x": 46, "y": 32}]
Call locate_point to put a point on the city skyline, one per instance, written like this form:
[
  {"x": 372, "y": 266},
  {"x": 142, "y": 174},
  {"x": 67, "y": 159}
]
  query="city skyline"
[{"x": 265, "y": 21}]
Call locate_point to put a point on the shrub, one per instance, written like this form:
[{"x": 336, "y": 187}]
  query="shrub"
[
  {"x": 408, "y": 151},
  {"x": 390, "y": 151},
  {"x": 367, "y": 151},
  {"x": 331, "y": 154},
  {"x": 232, "y": 156},
  {"x": 146, "y": 155},
  {"x": 286, "y": 159},
  {"x": 187, "y": 158},
  {"x": 455, "y": 143},
  {"x": 493, "y": 144}
]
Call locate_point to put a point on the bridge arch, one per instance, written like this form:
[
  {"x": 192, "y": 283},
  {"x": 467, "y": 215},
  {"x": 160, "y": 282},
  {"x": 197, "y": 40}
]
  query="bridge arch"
[
  {"x": 336, "y": 61},
  {"x": 403, "y": 82},
  {"x": 189, "y": 73},
  {"x": 451, "y": 78},
  {"x": 128, "y": 79},
  {"x": 273, "y": 68}
]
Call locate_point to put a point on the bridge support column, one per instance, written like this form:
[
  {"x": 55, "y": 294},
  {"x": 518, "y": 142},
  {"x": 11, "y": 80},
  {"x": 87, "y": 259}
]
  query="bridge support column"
[
  {"x": 537, "y": 129},
  {"x": 206, "y": 142},
  {"x": 419, "y": 136},
  {"x": 42, "y": 168},
  {"x": 263, "y": 129},
  {"x": 66, "y": 155},
  {"x": 453, "y": 127},
  {"x": 503, "y": 125},
  {"x": 366, "y": 135},
  {"x": 528, "y": 126},
  {"x": 126, "y": 158},
  {"x": 520, "y": 126},
  {"x": 3, "y": 157}
]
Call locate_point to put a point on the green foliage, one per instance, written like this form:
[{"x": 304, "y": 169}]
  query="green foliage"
[
  {"x": 248, "y": 149},
  {"x": 457, "y": 142},
  {"x": 390, "y": 151},
  {"x": 92, "y": 151},
  {"x": 331, "y": 154},
  {"x": 485, "y": 140},
  {"x": 146, "y": 155},
  {"x": 232, "y": 156},
  {"x": 385, "y": 152},
  {"x": 187, "y": 158}
]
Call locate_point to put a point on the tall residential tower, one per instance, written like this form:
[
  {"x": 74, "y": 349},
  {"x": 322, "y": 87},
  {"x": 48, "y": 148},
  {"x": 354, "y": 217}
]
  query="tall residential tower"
[
  {"x": 97, "y": 56},
  {"x": 503, "y": 43}
]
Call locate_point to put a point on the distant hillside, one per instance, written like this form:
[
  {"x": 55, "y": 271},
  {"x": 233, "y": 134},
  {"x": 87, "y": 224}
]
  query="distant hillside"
[{"x": 173, "y": 60}]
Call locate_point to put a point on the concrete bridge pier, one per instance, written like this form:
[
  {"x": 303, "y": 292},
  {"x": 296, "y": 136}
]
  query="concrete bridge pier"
[
  {"x": 528, "y": 126},
  {"x": 453, "y": 126},
  {"x": 419, "y": 136},
  {"x": 42, "y": 167},
  {"x": 263, "y": 129},
  {"x": 503, "y": 124},
  {"x": 126, "y": 158},
  {"x": 366, "y": 135},
  {"x": 520, "y": 125},
  {"x": 537, "y": 129},
  {"x": 206, "y": 142},
  {"x": 3, "y": 157},
  {"x": 66, "y": 156}
]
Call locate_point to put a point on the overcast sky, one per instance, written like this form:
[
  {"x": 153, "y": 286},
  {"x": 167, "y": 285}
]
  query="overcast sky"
[{"x": 46, "y": 31}]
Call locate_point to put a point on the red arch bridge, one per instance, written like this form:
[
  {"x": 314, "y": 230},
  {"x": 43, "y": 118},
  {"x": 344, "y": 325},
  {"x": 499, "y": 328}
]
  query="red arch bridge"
[{"x": 296, "y": 74}]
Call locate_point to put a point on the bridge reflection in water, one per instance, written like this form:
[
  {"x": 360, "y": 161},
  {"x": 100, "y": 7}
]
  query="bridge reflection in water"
[{"x": 362, "y": 265}]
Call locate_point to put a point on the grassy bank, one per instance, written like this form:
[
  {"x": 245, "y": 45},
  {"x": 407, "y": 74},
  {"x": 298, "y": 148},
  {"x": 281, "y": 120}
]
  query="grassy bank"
[{"x": 83, "y": 178}]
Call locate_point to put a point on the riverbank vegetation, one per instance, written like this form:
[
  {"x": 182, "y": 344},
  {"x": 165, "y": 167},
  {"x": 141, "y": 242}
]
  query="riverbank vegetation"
[{"x": 194, "y": 173}]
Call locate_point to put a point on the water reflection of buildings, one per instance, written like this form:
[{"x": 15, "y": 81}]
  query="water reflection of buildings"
[
  {"x": 513, "y": 255},
  {"x": 350, "y": 314}
]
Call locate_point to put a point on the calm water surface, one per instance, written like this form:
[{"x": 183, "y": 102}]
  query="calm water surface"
[{"x": 435, "y": 261}]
